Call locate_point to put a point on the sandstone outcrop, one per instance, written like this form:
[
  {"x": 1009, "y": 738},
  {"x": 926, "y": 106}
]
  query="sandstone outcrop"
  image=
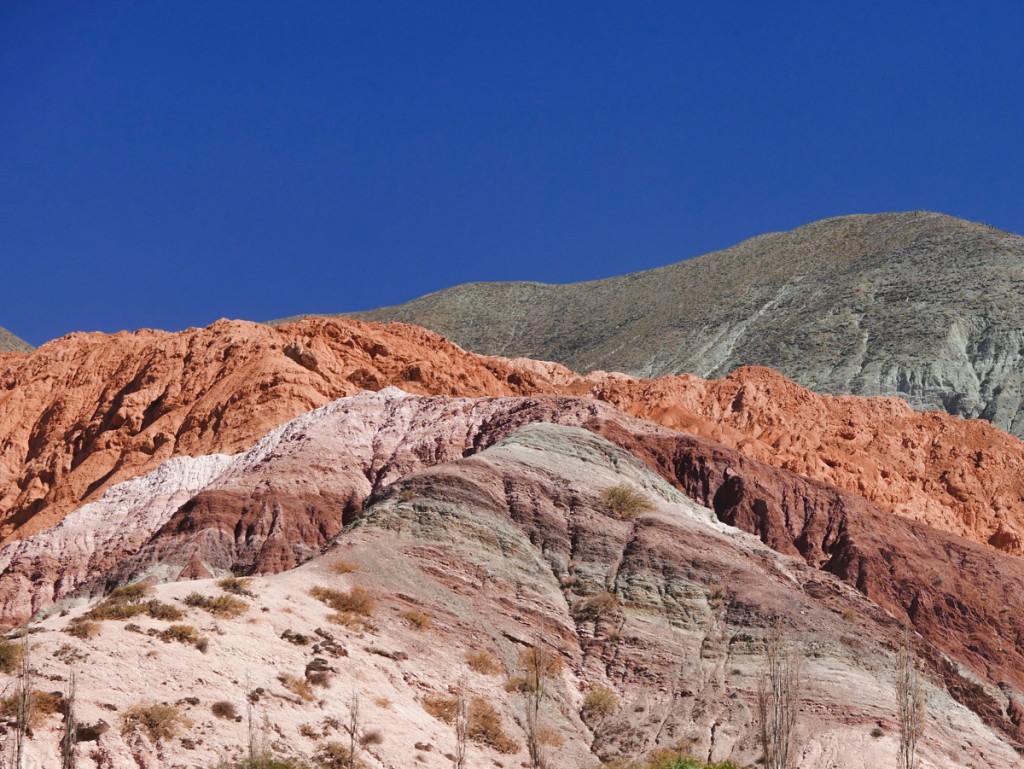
[
  {"x": 90, "y": 410},
  {"x": 494, "y": 552}
]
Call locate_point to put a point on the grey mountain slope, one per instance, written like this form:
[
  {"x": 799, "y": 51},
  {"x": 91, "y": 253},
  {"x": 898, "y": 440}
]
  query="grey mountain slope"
[
  {"x": 10, "y": 343},
  {"x": 920, "y": 305}
]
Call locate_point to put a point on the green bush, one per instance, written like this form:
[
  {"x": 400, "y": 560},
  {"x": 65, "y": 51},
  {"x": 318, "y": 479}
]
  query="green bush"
[{"x": 224, "y": 606}]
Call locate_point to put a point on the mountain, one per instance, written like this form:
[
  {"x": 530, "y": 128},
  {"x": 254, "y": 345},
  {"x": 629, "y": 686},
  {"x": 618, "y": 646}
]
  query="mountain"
[
  {"x": 10, "y": 343},
  {"x": 918, "y": 305},
  {"x": 88, "y": 411},
  {"x": 484, "y": 530},
  {"x": 473, "y": 510}
]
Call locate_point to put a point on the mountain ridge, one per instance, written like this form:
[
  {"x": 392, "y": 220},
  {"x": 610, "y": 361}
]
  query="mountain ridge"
[
  {"x": 10, "y": 343},
  {"x": 919, "y": 305}
]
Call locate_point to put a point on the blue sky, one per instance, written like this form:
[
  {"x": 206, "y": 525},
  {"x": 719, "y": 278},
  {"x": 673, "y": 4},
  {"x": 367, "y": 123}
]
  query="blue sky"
[{"x": 164, "y": 164}]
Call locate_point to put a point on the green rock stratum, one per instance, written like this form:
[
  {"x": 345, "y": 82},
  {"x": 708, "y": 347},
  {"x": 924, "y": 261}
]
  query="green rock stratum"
[{"x": 919, "y": 305}]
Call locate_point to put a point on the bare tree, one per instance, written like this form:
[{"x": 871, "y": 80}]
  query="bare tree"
[
  {"x": 538, "y": 665},
  {"x": 23, "y": 705},
  {"x": 778, "y": 694},
  {"x": 70, "y": 738},
  {"x": 353, "y": 728},
  {"x": 911, "y": 708},
  {"x": 461, "y": 724}
]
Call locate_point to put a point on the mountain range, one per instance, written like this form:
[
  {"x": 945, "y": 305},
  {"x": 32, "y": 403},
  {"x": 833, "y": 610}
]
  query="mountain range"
[
  {"x": 918, "y": 305},
  {"x": 565, "y": 530}
]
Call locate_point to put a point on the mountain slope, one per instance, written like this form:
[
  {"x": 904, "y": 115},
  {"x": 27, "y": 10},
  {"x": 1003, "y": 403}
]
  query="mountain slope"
[
  {"x": 87, "y": 411},
  {"x": 488, "y": 520},
  {"x": 10, "y": 343},
  {"x": 919, "y": 305}
]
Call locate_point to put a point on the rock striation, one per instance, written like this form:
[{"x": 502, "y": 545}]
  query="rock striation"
[
  {"x": 495, "y": 552},
  {"x": 917, "y": 305},
  {"x": 90, "y": 410},
  {"x": 279, "y": 504}
]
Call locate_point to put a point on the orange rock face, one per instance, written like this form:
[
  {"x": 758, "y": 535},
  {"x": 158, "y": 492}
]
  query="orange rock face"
[{"x": 89, "y": 410}]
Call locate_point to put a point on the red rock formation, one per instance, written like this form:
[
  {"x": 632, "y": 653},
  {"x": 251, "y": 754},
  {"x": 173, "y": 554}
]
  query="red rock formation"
[
  {"x": 90, "y": 410},
  {"x": 277, "y": 505}
]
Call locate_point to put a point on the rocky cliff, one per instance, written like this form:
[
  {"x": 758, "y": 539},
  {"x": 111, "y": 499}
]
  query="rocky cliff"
[{"x": 917, "y": 305}]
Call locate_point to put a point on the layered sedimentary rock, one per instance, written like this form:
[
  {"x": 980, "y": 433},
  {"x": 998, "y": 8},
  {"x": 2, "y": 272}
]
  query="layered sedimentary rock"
[
  {"x": 90, "y": 410},
  {"x": 493, "y": 553},
  {"x": 278, "y": 504},
  {"x": 918, "y": 305}
]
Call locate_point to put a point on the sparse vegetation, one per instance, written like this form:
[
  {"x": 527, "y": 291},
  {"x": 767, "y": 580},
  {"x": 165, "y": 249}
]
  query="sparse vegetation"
[
  {"x": 778, "y": 695},
  {"x": 269, "y": 761},
  {"x": 298, "y": 686},
  {"x": 416, "y": 619},
  {"x": 343, "y": 567},
  {"x": 354, "y": 601},
  {"x": 911, "y": 708},
  {"x": 598, "y": 606},
  {"x": 10, "y": 656},
  {"x": 185, "y": 634},
  {"x": 485, "y": 727},
  {"x": 443, "y": 707},
  {"x": 236, "y": 586},
  {"x": 83, "y": 628},
  {"x": 224, "y": 709},
  {"x": 130, "y": 601},
  {"x": 223, "y": 606},
  {"x": 41, "y": 705},
  {"x": 625, "y": 501},
  {"x": 160, "y": 722},
  {"x": 600, "y": 702},
  {"x": 483, "y": 662}
]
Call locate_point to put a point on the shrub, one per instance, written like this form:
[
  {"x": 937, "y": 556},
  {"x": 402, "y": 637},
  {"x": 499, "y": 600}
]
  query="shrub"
[
  {"x": 597, "y": 606},
  {"x": 309, "y": 731},
  {"x": 185, "y": 634},
  {"x": 354, "y": 601},
  {"x": 297, "y": 686},
  {"x": 343, "y": 567},
  {"x": 236, "y": 586},
  {"x": 160, "y": 722},
  {"x": 483, "y": 662},
  {"x": 598, "y": 703},
  {"x": 124, "y": 602},
  {"x": 163, "y": 611},
  {"x": 10, "y": 656},
  {"x": 270, "y": 761},
  {"x": 441, "y": 706},
  {"x": 371, "y": 737},
  {"x": 528, "y": 662},
  {"x": 223, "y": 606},
  {"x": 82, "y": 628},
  {"x": 41, "y": 705},
  {"x": 333, "y": 755},
  {"x": 485, "y": 727},
  {"x": 224, "y": 709},
  {"x": 625, "y": 501},
  {"x": 416, "y": 619}
]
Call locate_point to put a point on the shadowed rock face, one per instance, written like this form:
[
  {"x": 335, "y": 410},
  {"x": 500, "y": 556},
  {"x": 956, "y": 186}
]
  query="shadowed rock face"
[
  {"x": 919, "y": 305},
  {"x": 88, "y": 411},
  {"x": 507, "y": 547},
  {"x": 276, "y": 505}
]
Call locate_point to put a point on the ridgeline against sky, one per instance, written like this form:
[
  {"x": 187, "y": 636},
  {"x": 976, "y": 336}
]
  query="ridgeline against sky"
[{"x": 163, "y": 165}]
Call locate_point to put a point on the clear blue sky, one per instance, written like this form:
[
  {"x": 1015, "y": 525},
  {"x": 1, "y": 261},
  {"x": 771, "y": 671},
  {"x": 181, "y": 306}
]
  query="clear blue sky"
[{"x": 163, "y": 164}]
